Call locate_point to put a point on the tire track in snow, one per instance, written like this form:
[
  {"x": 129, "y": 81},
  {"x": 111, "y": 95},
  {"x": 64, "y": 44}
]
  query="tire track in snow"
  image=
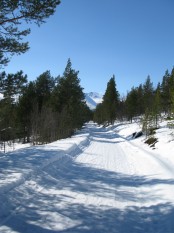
[
  {"x": 63, "y": 158},
  {"x": 106, "y": 155}
]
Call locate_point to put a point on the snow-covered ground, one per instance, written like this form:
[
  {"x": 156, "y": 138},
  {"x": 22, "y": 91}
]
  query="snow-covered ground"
[{"x": 100, "y": 180}]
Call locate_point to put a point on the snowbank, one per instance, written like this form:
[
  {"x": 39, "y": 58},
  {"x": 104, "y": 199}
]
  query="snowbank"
[{"x": 19, "y": 165}]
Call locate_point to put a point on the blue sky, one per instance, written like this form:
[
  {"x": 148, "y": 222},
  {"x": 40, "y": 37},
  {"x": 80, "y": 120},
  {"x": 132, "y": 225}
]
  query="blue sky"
[{"x": 129, "y": 38}]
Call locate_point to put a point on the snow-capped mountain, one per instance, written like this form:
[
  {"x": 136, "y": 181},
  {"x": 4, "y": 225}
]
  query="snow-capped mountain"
[{"x": 92, "y": 99}]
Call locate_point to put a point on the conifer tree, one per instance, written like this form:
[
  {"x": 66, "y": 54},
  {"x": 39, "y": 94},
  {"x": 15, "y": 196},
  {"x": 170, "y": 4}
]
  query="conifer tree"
[
  {"x": 68, "y": 99},
  {"x": 12, "y": 15},
  {"x": 165, "y": 92},
  {"x": 132, "y": 103},
  {"x": 110, "y": 101},
  {"x": 140, "y": 101},
  {"x": 99, "y": 114},
  {"x": 25, "y": 107},
  {"x": 11, "y": 86},
  {"x": 171, "y": 91},
  {"x": 156, "y": 110},
  {"x": 172, "y": 103},
  {"x": 148, "y": 93},
  {"x": 44, "y": 86}
]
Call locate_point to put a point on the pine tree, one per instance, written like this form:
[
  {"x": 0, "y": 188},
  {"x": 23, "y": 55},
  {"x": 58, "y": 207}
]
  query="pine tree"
[
  {"x": 12, "y": 15},
  {"x": 99, "y": 114},
  {"x": 140, "y": 101},
  {"x": 171, "y": 91},
  {"x": 68, "y": 99},
  {"x": 110, "y": 101},
  {"x": 44, "y": 86},
  {"x": 26, "y": 105},
  {"x": 157, "y": 106},
  {"x": 11, "y": 86},
  {"x": 148, "y": 94},
  {"x": 165, "y": 92},
  {"x": 132, "y": 103},
  {"x": 172, "y": 103},
  {"x": 33, "y": 106}
]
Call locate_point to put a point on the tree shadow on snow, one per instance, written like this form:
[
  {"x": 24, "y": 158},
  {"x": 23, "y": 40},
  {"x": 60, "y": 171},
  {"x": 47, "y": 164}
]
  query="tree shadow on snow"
[
  {"x": 57, "y": 200},
  {"x": 69, "y": 197},
  {"x": 105, "y": 136}
]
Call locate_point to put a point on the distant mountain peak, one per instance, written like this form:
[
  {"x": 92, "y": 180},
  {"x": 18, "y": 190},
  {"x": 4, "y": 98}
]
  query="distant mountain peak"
[{"x": 92, "y": 99}]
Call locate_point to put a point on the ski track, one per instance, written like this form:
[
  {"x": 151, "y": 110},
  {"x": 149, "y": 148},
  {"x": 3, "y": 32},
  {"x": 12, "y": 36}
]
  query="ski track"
[{"x": 107, "y": 184}]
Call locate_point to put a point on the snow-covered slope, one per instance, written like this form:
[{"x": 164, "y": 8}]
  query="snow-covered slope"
[
  {"x": 92, "y": 99},
  {"x": 101, "y": 180}
]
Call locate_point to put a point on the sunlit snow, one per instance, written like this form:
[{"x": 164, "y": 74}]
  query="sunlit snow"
[{"x": 100, "y": 180}]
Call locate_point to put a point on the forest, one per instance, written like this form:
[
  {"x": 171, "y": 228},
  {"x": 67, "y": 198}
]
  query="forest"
[
  {"x": 43, "y": 110},
  {"x": 146, "y": 101},
  {"x": 51, "y": 108}
]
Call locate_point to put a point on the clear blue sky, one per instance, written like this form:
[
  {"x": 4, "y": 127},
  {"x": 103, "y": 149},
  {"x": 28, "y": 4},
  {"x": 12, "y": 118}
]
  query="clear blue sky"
[{"x": 129, "y": 38}]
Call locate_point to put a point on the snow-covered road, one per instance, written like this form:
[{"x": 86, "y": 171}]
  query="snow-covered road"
[{"x": 104, "y": 183}]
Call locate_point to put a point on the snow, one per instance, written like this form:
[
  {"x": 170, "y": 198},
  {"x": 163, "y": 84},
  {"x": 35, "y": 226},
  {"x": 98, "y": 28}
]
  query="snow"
[
  {"x": 9, "y": 147},
  {"x": 92, "y": 99},
  {"x": 100, "y": 180}
]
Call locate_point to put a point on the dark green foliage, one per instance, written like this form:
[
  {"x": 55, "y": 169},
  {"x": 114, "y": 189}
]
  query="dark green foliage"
[
  {"x": 110, "y": 101},
  {"x": 13, "y": 13},
  {"x": 107, "y": 110},
  {"x": 132, "y": 101},
  {"x": 165, "y": 92},
  {"x": 25, "y": 106},
  {"x": 68, "y": 89},
  {"x": 12, "y": 85},
  {"x": 43, "y": 110},
  {"x": 68, "y": 100},
  {"x": 99, "y": 115},
  {"x": 148, "y": 94},
  {"x": 157, "y": 107},
  {"x": 151, "y": 102},
  {"x": 44, "y": 86},
  {"x": 50, "y": 108}
]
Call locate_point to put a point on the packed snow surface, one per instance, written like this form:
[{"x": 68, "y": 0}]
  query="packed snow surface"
[{"x": 100, "y": 180}]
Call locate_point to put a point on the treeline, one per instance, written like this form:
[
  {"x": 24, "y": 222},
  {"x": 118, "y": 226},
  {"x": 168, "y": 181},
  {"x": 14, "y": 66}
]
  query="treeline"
[
  {"x": 51, "y": 108},
  {"x": 145, "y": 100},
  {"x": 43, "y": 110}
]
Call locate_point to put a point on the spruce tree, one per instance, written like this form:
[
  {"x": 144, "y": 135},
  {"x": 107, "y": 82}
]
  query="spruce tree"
[
  {"x": 172, "y": 103},
  {"x": 110, "y": 101},
  {"x": 157, "y": 106},
  {"x": 99, "y": 114},
  {"x": 68, "y": 99},
  {"x": 140, "y": 101},
  {"x": 165, "y": 92},
  {"x": 148, "y": 94},
  {"x": 132, "y": 103}
]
